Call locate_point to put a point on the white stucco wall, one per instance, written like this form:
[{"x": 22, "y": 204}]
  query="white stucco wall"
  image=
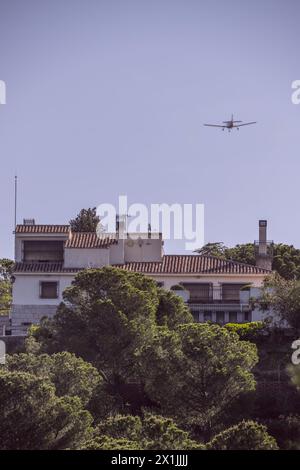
[
  {"x": 86, "y": 257},
  {"x": 143, "y": 249},
  {"x": 116, "y": 253},
  {"x": 26, "y": 288}
]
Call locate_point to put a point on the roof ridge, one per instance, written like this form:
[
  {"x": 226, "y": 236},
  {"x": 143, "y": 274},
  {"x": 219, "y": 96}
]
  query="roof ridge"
[
  {"x": 193, "y": 264},
  {"x": 94, "y": 233},
  {"x": 43, "y": 225}
]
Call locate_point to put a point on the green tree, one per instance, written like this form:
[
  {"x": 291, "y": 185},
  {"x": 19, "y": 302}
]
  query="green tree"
[
  {"x": 286, "y": 258},
  {"x": 283, "y": 298},
  {"x": 6, "y": 266},
  {"x": 146, "y": 347},
  {"x": 5, "y": 297},
  {"x": 216, "y": 249},
  {"x": 33, "y": 417},
  {"x": 109, "y": 443},
  {"x": 163, "y": 434},
  {"x": 71, "y": 375},
  {"x": 151, "y": 432},
  {"x": 86, "y": 221},
  {"x": 107, "y": 313},
  {"x": 247, "y": 435},
  {"x": 171, "y": 310},
  {"x": 286, "y": 261},
  {"x": 108, "y": 317},
  {"x": 199, "y": 369},
  {"x": 243, "y": 253}
]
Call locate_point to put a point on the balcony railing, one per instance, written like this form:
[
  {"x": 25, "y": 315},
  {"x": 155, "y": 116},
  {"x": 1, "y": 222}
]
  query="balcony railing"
[
  {"x": 262, "y": 248},
  {"x": 218, "y": 307},
  {"x": 219, "y": 295}
]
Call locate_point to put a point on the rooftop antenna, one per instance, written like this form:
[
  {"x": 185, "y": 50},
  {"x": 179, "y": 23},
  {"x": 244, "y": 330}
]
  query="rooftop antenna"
[{"x": 16, "y": 194}]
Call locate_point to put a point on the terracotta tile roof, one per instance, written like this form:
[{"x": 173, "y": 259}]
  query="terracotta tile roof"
[
  {"x": 89, "y": 240},
  {"x": 171, "y": 264},
  {"x": 42, "y": 229},
  {"x": 75, "y": 240},
  {"x": 192, "y": 264},
  {"x": 43, "y": 268}
]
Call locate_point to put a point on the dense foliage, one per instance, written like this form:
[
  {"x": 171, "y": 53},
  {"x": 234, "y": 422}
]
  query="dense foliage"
[
  {"x": 69, "y": 374},
  {"x": 194, "y": 372},
  {"x": 34, "y": 417},
  {"x": 146, "y": 347},
  {"x": 282, "y": 297},
  {"x": 122, "y": 365},
  {"x": 151, "y": 432},
  {"x": 6, "y": 266},
  {"x": 247, "y": 331},
  {"x": 86, "y": 221}
]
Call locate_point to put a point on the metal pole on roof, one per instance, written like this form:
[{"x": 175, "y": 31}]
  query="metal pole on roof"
[{"x": 16, "y": 194}]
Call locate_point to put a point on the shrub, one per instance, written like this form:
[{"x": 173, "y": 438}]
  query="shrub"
[{"x": 247, "y": 331}]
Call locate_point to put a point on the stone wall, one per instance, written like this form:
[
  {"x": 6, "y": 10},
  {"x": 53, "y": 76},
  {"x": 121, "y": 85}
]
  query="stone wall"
[{"x": 22, "y": 316}]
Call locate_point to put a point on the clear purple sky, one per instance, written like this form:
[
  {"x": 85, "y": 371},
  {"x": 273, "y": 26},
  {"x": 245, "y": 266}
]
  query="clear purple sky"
[{"x": 109, "y": 97}]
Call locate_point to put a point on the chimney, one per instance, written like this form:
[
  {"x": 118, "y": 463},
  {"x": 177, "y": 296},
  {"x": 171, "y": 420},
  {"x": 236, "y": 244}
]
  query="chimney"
[
  {"x": 263, "y": 248},
  {"x": 262, "y": 245}
]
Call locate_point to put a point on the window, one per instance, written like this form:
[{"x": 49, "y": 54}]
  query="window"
[
  {"x": 48, "y": 290},
  {"x": 231, "y": 292},
  {"x": 232, "y": 317},
  {"x": 42, "y": 251},
  {"x": 159, "y": 284},
  {"x": 220, "y": 317},
  {"x": 199, "y": 292}
]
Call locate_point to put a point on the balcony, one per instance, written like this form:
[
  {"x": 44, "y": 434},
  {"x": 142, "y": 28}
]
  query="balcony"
[
  {"x": 35, "y": 251},
  {"x": 222, "y": 304},
  {"x": 225, "y": 294}
]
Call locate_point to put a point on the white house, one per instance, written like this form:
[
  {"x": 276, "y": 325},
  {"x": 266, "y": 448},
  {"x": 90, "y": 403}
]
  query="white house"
[{"x": 49, "y": 256}]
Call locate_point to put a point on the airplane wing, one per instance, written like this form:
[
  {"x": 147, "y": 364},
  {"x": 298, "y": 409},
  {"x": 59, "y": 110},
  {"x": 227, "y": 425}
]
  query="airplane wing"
[
  {"x": 213, "y": 125},
  {"x": 245, "y": 124}
]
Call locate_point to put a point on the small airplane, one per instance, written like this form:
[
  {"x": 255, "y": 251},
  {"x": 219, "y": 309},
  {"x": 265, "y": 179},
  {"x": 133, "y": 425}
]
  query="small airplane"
[{"x": 231, "y": 124}]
